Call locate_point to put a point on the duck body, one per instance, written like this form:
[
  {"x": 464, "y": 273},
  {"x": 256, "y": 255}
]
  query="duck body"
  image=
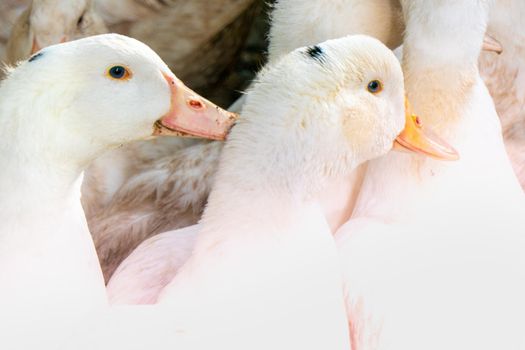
[
  {"x": 108, "y": 192},
  {"x": 236, "y": 279},
  {"x": 266, "y": 208},
  {"x": 42, "y": 223},
  {"x": 296, "y": 23},
  {"x": 107, "y": 179},
  {"x": 151, "y": 266},
  {"x": 49, "y": 267},
  {"x": 263, "y": 250},
  {"x": 503, "y": 73},
  {"x": 384, "y": 20},
  {"x": 439, "y": 239},
  {"x": 141, "y": 276},
  {"x": 209, "y": 36},
  {"x": 50, "y": 134},
  {"x": 288, "y": 209},
  {"x": 164, "y": 194},
  {"x": 58, "y": 233}
]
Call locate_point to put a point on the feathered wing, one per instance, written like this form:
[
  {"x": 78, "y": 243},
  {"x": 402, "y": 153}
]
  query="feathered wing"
[{"x": 170, "y": 195}]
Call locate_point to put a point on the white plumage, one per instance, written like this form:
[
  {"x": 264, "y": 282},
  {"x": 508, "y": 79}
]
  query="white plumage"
[
  {"x": 431, "y": 244},
  {"x": 59, "y": 110}
]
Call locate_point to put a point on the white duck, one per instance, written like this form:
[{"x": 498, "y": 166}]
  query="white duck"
[
  {"x": 50, "y": 22},
  {"x": 434, "y": 251},
  {"x": 58, "y": 111},
  {"x": 302, "y": 22},
  {"x": 135, "y": 193},
  {"x": 310, "y": 120},
  {"x": 173, "y": 193},
  {"x": 136, "y": 207},
  {"x": 504, "y": 75}
]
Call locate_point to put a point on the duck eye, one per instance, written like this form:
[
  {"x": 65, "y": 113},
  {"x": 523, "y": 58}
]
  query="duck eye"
[
  {"x": 119, "y": 72},
  {"x": 375, "y": 86},
  {"x": 80, "y": 20}
]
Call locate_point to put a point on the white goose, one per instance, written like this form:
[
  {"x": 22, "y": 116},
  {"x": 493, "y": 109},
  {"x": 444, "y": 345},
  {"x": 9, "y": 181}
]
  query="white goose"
[
  {"x": 300, "y": 133},
  {"x": 434, "y": 251},
  {"x": 58, "y": 111}
]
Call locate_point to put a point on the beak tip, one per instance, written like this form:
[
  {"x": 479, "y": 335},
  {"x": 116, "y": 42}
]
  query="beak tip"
[
  {"x": 418, "y": 139},
  {"x": 492, "y": 45},
  {"x": 201, "y": 119}
]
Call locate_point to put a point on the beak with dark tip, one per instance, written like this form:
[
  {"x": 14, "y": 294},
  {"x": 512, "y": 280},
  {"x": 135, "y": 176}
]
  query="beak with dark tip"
[
  {"x": 192, "y": 115},
  {"x": 491, "y": 44},
  {"x": 419, "y": 139}
]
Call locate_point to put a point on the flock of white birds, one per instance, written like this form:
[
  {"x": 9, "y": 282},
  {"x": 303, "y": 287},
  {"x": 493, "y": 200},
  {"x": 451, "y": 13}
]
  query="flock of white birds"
[{"x": 360, "y": 198}]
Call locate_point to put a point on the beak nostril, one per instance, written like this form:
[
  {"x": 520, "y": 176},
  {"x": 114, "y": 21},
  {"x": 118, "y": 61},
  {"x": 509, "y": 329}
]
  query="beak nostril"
[
  {"x": 195, "y": 104},
  {"x": 417, "y": 121}
]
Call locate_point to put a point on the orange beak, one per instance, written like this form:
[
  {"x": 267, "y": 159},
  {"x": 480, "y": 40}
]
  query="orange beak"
[
  {"x": 491, "y": 44},
  {"x": 36, "y": 47},
  {"x": 416, "y": 138},
  {"x": 192, "y": 115}
]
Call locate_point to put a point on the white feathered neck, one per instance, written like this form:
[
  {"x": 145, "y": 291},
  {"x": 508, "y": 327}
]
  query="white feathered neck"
[
  {"x": 47, "y": 255},
  {"x": 447, "y": 92}
]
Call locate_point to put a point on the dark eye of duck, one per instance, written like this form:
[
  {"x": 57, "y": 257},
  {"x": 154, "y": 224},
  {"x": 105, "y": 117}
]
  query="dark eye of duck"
[
  {"x": 375, "y": 86},
  {"x": 119, "y": 72}
]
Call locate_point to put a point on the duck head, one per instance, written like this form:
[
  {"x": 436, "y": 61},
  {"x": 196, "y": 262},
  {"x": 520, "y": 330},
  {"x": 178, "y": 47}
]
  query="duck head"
[
  {"x": 49, "y": 22},
  {"x": 347, "y": 96},
  {"x": 103, "y": 91}
]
